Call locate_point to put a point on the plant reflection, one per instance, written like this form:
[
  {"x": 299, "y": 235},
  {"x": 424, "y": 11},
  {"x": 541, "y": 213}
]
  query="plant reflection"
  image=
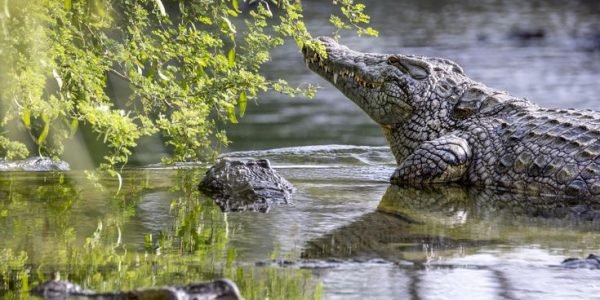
[{"x": 59, "y": 225}]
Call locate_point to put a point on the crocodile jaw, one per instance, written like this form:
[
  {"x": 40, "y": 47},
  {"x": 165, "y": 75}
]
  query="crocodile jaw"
[
  {"x": 344, "y": 68},
  {"x": 364, "y": 78}
]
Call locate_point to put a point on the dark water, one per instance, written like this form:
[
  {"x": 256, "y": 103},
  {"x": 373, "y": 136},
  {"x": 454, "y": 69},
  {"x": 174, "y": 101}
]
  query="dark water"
[{"x": 348, "y": 235}]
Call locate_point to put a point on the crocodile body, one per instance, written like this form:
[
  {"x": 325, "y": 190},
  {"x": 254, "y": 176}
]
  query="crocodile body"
[
  {"x": 591, "y": 262},
  {"x": 238, "y": 185},
  {"x": 34, "y": 164},
  {"x": 443, "y": 126},
  {"x": 222, "y": 289}
]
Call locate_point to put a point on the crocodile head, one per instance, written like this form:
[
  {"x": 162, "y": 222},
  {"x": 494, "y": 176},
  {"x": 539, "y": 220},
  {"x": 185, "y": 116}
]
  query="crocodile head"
[{"x": 390, "y": 88}]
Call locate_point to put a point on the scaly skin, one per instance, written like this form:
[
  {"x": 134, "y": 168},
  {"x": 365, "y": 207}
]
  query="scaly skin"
[
  {"x": 221, "y": 289},
  {"x": 237, "y": 185},
  {"x": 444, "y": 127}
]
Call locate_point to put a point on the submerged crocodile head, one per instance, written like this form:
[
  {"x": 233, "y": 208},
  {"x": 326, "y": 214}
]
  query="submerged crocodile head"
[{"x": 391, "y": 88}]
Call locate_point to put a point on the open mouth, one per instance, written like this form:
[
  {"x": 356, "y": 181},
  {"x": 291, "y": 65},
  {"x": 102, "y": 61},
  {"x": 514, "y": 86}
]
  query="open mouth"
[{"x": 337, "y": 68}]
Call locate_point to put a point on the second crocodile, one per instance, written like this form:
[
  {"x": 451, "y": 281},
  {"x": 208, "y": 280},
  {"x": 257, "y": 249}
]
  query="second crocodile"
[
  {"x": 238, "y": 185},
  {"x": 444, "y": 127},
  {"x": 222, "y": 289}
]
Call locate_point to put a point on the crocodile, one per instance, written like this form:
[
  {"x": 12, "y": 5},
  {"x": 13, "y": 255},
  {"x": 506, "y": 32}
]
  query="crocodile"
[
  {"x": 444, "y": 127},
  {"x": 222, "y": 289},
  {"x": 238, "y": 185},
  {"x": 34, "y": 164},
  {"x": 591, "y": 262}
]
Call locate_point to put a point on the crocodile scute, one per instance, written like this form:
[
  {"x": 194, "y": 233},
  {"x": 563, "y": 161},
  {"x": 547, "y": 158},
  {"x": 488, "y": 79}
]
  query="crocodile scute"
[{"x": 444, "y": 127}]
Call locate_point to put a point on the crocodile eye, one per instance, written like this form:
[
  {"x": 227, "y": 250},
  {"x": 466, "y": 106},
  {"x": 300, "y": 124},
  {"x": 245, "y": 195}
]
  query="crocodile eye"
[
  {"x": 416, "y": 68},
  {"x": 392, "y": 60}
]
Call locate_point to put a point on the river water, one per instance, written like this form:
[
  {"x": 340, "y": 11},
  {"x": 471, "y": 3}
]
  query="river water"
[{"x": 348, "y": 233}]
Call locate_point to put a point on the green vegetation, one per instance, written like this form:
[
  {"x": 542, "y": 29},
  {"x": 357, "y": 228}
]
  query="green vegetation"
[
  {"x": 86, "y": 236},
  {"x": 189, "y": 65}
]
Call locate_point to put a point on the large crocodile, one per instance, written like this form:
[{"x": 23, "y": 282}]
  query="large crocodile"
[{"x": 444, "y": 127}]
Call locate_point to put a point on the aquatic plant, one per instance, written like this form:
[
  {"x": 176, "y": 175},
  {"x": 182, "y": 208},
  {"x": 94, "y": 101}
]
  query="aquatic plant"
[{"x": 100, "y": 250}]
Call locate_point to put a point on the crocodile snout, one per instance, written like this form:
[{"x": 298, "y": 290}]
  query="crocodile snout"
[{"x": 327, "y": 41}]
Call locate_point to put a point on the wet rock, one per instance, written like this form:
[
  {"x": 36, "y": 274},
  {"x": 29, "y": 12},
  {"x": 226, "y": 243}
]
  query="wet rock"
[
  {"x": 590, "y": 262},
  {"x": 238, "y": 185},
  {"x": 34, "y": 164},
  {"x": 222, "y": 289}
]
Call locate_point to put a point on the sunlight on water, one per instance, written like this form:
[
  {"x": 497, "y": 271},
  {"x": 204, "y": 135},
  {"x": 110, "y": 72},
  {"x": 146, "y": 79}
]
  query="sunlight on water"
[{"x": 347, "y": 231}]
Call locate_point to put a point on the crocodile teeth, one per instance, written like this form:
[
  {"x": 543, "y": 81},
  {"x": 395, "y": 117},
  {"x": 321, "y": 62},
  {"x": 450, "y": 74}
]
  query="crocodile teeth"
[{"x": 335, "y": 76}]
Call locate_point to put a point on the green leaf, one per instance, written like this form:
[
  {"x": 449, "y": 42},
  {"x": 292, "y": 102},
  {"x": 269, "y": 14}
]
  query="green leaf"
[
  {"x": 230, "y": 27},
  {"x": 242, "y": 103},
  {"x": 161, "y": 8},
  {"x": 231, "y": 254},
  {"x": 45, "y": 131},
  {"x": 97, "y": 7},
  {"x": 26, "y": 117},
  {"x": 235, "y": 5},
  {"x": 74, "y": 125},
  {"x": 162, "y": 76},
  {"x": 231, "y": 57},
  {"x": 68, "y": 5},
  {"x": 232, "y": 118},
  {"x": 148, "y": 241}
]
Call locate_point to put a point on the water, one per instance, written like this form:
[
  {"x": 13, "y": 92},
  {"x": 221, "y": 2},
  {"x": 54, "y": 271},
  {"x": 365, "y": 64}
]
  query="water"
[{"x": 348, "y": 235}]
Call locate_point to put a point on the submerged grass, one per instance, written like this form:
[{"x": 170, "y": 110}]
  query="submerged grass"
[{"x": 51, "y": 232}]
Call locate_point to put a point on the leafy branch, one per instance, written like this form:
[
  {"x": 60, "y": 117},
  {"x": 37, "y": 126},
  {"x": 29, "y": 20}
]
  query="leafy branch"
[{"x": 189, "y": 65}]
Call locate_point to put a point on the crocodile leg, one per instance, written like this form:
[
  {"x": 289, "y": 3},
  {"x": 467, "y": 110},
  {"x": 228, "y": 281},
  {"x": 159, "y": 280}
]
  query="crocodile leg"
[{"x": 445, "y": 159}]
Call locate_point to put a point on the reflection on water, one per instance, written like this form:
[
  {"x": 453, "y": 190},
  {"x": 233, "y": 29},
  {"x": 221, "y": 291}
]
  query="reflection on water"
[
  {"x": 503, "y": 245},
  {"x": 444, "y": 219},
  {"x": 158, "y": 230},
  {"x": 348, "y": 235}
]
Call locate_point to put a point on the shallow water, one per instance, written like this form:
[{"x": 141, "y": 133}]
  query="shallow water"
[{"x": 348, "y": 235}]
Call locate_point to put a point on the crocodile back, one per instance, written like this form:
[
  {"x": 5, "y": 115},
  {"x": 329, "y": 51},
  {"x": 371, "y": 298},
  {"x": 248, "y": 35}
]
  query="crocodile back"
[{"x": 540, "y": 150}]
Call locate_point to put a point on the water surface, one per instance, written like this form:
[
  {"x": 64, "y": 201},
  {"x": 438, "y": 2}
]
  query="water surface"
[{"x": 348, "y": 235}]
